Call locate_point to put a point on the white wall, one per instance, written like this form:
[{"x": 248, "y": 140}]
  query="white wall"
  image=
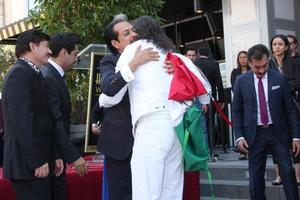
[{"x": 245, "y": 24}]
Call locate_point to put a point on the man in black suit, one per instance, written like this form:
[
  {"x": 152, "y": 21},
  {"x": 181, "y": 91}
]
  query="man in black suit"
[
  {"x": 64, "y": 47},
  {"x": 28, "y": 124},
  {"x": 210, "y": 68},
  {"x": 265, "y": 117},
  {"x": 116, "y": 140}
]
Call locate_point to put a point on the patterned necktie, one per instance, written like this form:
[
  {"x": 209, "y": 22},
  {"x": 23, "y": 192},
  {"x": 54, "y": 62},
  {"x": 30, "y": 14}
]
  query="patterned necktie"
[{"x": 262, "y": 103}]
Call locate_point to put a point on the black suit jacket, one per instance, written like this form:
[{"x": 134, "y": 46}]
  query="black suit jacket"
[
  {"x": 116, "y": 139},
  {"x": 211, "y": 70},
  {"x": 60, "y": 102},
  {"x": 28, "y": 125}
]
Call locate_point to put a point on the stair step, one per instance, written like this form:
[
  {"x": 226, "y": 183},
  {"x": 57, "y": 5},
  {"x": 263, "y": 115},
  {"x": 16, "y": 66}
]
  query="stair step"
[
  {"x": 234, "y": 171},
  {"x": 229, "y": 189}
]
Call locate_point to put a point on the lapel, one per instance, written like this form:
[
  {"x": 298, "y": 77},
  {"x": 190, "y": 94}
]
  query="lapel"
[
  {"x": 59, "y": 79},
  {"x": 270, "y": 83},
  {"x": 251, "y": 85}
]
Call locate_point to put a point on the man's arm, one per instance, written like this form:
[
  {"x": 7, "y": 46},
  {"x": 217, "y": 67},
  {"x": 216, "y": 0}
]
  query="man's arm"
[{"x": 237, "y": 110}]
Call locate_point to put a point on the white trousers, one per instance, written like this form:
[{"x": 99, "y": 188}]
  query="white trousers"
[{"x": 156, "y": 164}]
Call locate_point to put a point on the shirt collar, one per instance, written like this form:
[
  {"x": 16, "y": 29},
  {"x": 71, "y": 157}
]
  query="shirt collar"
[
  {"x": 57, "y": 67},
  {"x": 263, "y": 78}
]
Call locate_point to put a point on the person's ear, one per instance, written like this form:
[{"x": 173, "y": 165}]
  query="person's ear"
[
  {"x": 115, "y": 43},
  {"x": 32, "y": 46}
]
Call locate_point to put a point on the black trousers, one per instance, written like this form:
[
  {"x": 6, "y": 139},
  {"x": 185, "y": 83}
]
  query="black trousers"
[
  {"x": 119, "y": 178},
  {"x": 32, "y": 189},
  {"x": 59, "y": 187}
]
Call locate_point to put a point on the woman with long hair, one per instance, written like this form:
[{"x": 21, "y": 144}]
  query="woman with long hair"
[
  {"x": 242, "y": 67},
  {"x": 281, "y": 61}
]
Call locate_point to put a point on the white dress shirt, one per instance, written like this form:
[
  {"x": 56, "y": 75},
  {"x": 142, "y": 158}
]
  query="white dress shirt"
[{"x": 57, "y": 67}]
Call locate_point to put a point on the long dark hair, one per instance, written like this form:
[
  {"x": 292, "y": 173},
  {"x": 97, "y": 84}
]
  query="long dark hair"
[
  {"x": 149, "y": 29},
  {"x": 286, "y": 42},
  {"x": 237, "y": 60}
]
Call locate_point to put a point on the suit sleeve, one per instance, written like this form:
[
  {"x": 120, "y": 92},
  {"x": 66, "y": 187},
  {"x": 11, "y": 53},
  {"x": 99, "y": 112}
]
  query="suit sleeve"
[
  {"x": 65, "y": 149},
  {"x": 19, "y": 95},
  {"x": 237, "y": 108},
  {"x": 219, "y": 83},
  {"x": 291, "y": 110},
  {"x": 111, "y": 82}
]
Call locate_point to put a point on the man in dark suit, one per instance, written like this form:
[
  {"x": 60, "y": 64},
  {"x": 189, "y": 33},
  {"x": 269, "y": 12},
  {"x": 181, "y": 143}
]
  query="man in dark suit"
[
  {"x": 28, "y": 124},
  {"x": 264, "y": 116},
  {"x": 64, "y": 47},
  {"x": 116, "y": 140},
  {"x": 210, "y": 68}
]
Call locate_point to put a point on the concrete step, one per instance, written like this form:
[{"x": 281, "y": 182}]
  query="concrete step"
[
  {"x": 237, "y": 190},
  {"x": 237, "y": 172}
]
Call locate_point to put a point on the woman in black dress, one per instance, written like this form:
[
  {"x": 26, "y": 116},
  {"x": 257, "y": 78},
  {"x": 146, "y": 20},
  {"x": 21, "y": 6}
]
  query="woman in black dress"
[
  {"x": 242, "y": 67},
  {"x": 281, "y": 61}
]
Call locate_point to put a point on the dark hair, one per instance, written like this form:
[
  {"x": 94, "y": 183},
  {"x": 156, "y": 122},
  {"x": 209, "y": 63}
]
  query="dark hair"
[
  {"x": 34, "y": 35},
  {"x": 110, "y": 34},
  {"x": 149, "y": 29},
  {"x": 61, "y": 41},
  {"x": 190, "y": 49},
  {"x": 203, "y": 51},
  {"x": 294, "y": 38},
  {"x": 257, "y": 52},
  {"x": 237, "y": 60},
  {"x": 286, "y": 42}
]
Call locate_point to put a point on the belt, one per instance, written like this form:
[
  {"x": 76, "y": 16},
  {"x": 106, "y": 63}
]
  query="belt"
[{"x": 265, "y": 126}]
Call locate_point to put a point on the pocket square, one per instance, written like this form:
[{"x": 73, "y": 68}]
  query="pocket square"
[{"x": 275, "y": 87}]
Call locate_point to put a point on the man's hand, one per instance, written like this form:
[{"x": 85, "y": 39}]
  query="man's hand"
[
  {"x": 96, "y": 129},
  {"x": 221, "y": 105},
  {"x": 142, "y": 57},
  {"x": 42, "y": 171},
  {"x": 243, "y": 145},
  {"x": 296, "y": 147},
  {"x": 80, "y": 166},
  {"x": 59, "y": 167},
  {"x": 204, "y": 108},
  {"x": 169, "y": 67}
]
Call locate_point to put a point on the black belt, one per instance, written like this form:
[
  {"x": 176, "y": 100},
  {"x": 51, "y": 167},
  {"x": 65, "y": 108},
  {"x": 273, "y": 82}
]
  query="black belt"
[{"x": 265, "y": 126}]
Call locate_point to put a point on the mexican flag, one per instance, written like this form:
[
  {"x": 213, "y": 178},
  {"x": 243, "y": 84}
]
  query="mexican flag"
[{"x": 189, "y": 83}]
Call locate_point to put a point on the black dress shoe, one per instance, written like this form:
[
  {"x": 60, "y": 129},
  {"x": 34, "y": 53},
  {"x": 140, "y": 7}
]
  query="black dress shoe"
[
  {"x": 276, "y": 183},
  {"x": 243, "y": 157}
]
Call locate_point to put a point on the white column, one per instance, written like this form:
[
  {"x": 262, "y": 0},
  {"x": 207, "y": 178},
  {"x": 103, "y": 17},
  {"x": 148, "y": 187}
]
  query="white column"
[{"x": 245, "y": 24}]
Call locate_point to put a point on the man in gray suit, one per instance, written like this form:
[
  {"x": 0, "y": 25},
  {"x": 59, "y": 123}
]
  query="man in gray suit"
[{"x": 264, "y": 116}]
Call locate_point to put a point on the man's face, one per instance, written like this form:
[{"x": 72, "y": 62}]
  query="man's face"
[
  {"x": 259, "y": 67},
  {"x": 191, "y": 54},
  {"x": 293, "y": 45},
  {"x": 126, "y": 35},
  {"x": 41, "y": 52},
  {"x": 70, "y": 59}
]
